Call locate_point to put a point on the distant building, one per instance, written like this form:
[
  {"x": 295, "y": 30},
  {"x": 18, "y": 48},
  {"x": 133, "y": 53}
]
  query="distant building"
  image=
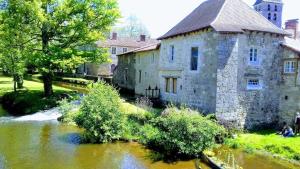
[
  {"x": 116, "y": 45},
  {"x": 270, "y": 9},
  {"x": 223, "y": 58}
]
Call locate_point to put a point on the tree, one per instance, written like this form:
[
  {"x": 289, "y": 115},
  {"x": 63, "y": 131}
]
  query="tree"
[
  {"x": 13, "y": 34},
  {"x": 63, "y": 33},
  {"x": 132, "y": 27}
]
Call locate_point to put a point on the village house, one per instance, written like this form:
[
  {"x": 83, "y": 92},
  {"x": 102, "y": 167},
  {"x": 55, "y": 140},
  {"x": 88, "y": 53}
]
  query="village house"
[
  {"x": 223, "y": 58},
  {"x": 116, "y": 45}
]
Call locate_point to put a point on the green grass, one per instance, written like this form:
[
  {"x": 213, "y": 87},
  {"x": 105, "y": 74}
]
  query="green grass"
[
  {"x": 28, "y": 100},
  {"x": 270, "y": 142}
]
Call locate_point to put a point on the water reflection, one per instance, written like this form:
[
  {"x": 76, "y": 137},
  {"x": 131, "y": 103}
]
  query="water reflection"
[{"x": 50, "y": 145}]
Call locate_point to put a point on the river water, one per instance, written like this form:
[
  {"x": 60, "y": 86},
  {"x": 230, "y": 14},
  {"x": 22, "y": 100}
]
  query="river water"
[{"x": 40, "y": 142}]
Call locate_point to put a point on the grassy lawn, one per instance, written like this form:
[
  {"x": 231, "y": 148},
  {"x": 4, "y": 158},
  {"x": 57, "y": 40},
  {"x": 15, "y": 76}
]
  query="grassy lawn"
[
  {"x": 28, "y": 100},
  {"x": 270, "y": 142}
]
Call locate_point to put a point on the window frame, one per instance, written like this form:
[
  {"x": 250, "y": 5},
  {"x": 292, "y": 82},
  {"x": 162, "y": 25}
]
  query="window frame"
[
  {"x": 269, "y": 7},
  {"x": 269, "y": 16},
  {"x": 254, "y": 85},
  {"x": 275, "y": 17},
  {"x": 253, "y": 57},
  {"x": 174, "y": 85},
  {"x": 171, "y": 53},
  {"x": 167, "y": 84},
  {"x": 113, "y": 50},
  {"x": 198, "y": 58},
  {"x": 292, "y": 67},
  {"x": 125, "y": 50}
]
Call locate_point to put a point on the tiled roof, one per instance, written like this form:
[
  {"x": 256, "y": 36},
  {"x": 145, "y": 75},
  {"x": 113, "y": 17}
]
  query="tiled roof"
[
  {"x": 291, "y": 44},
  {"x": 224, "y": 16},
  {"x": 126, "y": 42},
  {"x": 150, "y": 47},
  {"x": 273, "y": 1}
]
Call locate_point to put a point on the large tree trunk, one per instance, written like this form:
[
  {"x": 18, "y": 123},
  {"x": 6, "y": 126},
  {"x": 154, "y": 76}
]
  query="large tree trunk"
[{"x": 47, "y": 79}]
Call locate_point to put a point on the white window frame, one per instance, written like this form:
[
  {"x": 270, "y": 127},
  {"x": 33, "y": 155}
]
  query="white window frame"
[
  {"x": 112, "y": 50},
  {"x": 254, "y": 84},
  {"x": 290, "y": 67},
  {"x": 253, "y": 58}
]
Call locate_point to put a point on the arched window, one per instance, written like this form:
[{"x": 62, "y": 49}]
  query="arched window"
[
  {"x": 269, "y": 16},
  {"x": 269, "y": 7},
  {"x": 275, "y": 17},
  {"x": 276, "y": 8}
]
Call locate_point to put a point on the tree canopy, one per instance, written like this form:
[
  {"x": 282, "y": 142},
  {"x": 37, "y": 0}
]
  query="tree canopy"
[{"x": 62, "y": 33}]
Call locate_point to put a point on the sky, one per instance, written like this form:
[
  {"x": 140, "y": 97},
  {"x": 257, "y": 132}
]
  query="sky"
[{"x": 159, "y": 16}]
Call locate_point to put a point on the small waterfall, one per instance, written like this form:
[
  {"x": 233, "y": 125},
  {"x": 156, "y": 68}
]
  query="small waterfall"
[{"x": 47, "y": 115}]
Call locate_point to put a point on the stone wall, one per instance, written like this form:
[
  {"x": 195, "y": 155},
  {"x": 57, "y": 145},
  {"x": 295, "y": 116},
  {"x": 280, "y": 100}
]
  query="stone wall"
[
  {"x": 290, "y": 90},
  {"x": 124, "y": 75},
  {"x": 246, "y": 107},
  {"x": 196, "y": 89},
  {"x": 147, "y": 64}
]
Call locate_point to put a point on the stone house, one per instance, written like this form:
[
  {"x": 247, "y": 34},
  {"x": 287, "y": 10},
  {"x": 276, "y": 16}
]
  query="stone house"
[
  {"x": 116, "y": 45},
  {"x": 290, "y": 86},
  {"x": 223, "y": 58},
  {"x": 137, "y": 70}
]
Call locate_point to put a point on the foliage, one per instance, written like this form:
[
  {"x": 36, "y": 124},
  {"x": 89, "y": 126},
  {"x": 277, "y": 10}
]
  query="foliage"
[
  {"x": 69, "y": 112},
  {"x": 62, "y": 34},
  {"x": 100, "y": 114},
  {"x": 182, "y": 132},
  {"x": 267, "y": 141},
  {"x": 13, "y": 33}
]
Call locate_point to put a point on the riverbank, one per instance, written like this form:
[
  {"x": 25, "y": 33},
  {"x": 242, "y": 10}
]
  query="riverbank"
[
  {"x": 269, "y": 142},
  {"x": 30, "y": 99}
]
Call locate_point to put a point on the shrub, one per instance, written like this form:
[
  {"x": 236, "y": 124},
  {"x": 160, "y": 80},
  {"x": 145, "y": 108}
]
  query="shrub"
[
  {"x": 182, "y": 132},
  {"x": 69, "y": 112},
  {"x": 100, "y": 114}
]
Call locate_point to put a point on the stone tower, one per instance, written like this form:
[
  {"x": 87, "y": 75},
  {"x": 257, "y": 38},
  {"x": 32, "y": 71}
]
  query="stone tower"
[{"x": 270, "y": 9}]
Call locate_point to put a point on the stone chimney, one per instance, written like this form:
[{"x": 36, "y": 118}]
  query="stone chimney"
[
  {"x": 114, "y": 36},
  {"x": 142, "y": 38},
  {"x": 293, "y": 26}
]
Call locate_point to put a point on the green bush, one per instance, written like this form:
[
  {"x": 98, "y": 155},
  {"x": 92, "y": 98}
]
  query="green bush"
[
  {"x": 181, "y": 132},
  {"x": 100, "y": 114},
  {"x": 69, "y": 112}
]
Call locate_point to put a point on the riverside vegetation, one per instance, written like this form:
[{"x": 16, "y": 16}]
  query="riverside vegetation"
[{"x": 176, "y": 132}]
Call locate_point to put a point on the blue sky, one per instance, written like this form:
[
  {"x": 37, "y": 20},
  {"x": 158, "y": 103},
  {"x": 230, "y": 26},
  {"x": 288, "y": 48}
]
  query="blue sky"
[{"x": 161, "y": 15}]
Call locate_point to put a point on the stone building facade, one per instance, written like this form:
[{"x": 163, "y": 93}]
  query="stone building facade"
[{"x": 227, "y": 59}]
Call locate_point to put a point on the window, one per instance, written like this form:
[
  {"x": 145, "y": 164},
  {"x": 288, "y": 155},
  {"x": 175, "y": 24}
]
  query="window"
[
  {"x": 167, "y": 85},
  {"x": 253, "y": 58},
  {"x": 276, "y": 8},
  {"x": 124, "y": 50},
  {"x": 269, "y": 7},
  {"x": 289, "y": 67},
  {"x": 171, "y": 82},
  {"x": 269, "y": 16},
  {"x": 174, "y": 87},
  {"x": 171, "y": 53},
  {"x": 194, "y": 58},
  {"x": 254, "y": 84},
  {"x": 275, "y": 17},
  {"x": 140, "y": 76},
  {"x": 113, "y": 50}
]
